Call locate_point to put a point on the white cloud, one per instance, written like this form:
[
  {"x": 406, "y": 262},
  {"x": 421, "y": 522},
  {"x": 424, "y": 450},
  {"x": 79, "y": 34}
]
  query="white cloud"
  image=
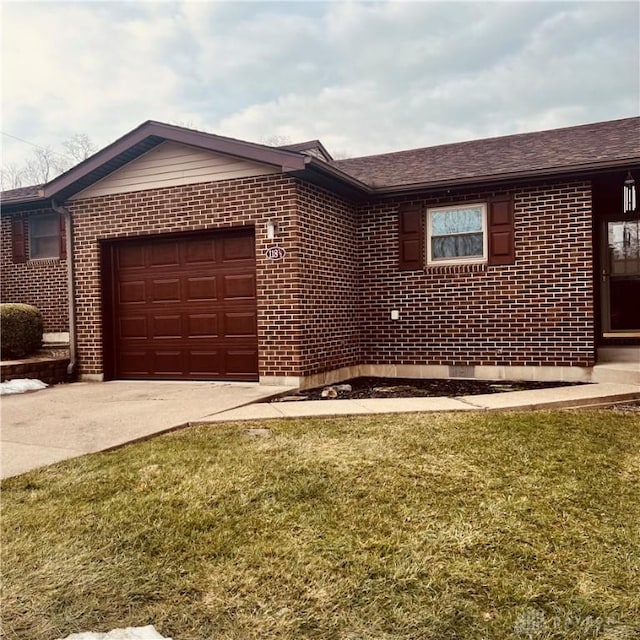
[
  {"x": 533, "y": 80},
  {"x": 363, "y": 77},
  {"x": 72, "y": 67}
]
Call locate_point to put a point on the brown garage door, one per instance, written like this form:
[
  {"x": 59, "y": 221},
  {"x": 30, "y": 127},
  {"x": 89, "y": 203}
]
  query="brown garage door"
[{"x": 183, "y": 308}]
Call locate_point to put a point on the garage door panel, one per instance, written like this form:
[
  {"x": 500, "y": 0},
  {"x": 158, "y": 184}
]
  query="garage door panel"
[
  {"x": 133, "y": 328},
  {"x": 167, "y": 326},
  {"x": 166, "y": 290},
  {"x": 164, "y": 254},
  {"x": 133, "y": 363},
  {"x": 200, "y": 251},
  {"x": 204, "y": 363},
  {"x": 238, "y": 248},
  {"x": 186, "y": 308},
  {"x": 240, "y": 324},
  {"x": 202, "y": 325},
  {"x": 130, "y": 256},
  {"x": 132, "y": 292},
  {"x": 204, "y": 288},
  {"x": 168, "y": 362},
  {"x": 241, "y": 362},
  {"x": 238, "y": 286}
]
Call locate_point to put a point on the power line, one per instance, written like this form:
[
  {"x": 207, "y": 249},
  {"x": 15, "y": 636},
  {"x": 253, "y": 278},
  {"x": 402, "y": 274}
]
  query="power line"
[
  {"x": 4, "y": 133},
  {"x": 37, "y": 146}
]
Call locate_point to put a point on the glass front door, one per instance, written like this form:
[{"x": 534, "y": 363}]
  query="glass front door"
[{"x": 621, "y": 279}]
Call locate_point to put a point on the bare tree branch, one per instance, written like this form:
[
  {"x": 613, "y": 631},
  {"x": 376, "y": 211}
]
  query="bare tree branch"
[
  {"x": 275, "y": 141},
  {"x": 79, "y": 147},
  {"x": 45, "y": 163},
  {"x": 12, "y": 176}
]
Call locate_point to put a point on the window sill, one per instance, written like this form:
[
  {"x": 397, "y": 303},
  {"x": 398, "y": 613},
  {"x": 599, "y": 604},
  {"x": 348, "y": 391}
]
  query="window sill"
[
  {"x": 43, "y": 260},
  {"x": 469, "y": 267}
]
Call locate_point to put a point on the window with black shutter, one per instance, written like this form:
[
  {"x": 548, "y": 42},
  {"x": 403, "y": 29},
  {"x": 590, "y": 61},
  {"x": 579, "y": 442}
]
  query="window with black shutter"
[{"x": 38, "y": 237}]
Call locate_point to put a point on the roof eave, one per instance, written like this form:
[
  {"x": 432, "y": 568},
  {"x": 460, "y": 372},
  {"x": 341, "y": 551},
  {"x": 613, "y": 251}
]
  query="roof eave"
[
  {"x": 314, "y": 170},
  {"x": 324, "y": 175},
  {"x": 230, "y": 146},
  {"x": 24, "y": 205},
  {"x": 149, "y": 135},
  {"x": 505, "y": 178}
]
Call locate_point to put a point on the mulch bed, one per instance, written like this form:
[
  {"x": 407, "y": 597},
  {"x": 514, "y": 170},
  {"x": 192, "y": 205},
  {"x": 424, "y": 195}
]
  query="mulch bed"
[
  {"x": 632, "y": 406},
  {"x": 371, "y": 387}
]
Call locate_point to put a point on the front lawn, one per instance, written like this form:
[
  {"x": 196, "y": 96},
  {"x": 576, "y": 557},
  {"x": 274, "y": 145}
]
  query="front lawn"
[{"x": 433, "y": 526}]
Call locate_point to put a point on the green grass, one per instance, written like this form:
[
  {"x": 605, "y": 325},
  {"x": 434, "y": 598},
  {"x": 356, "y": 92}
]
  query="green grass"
[{"x": 435, "y": 526}]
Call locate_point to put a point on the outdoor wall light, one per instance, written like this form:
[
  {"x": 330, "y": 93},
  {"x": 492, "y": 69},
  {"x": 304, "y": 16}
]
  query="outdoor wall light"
[
  {"x": 629, "y": 194},
  {"x": 272, "y": 229}
]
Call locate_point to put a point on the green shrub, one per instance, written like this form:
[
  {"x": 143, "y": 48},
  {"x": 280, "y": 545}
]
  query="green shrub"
[{"x": 21, "y": 326}]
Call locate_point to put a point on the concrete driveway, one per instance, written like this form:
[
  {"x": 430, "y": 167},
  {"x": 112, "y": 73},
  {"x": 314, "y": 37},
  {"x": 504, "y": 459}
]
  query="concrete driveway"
[{"x": 68, "y": 420}]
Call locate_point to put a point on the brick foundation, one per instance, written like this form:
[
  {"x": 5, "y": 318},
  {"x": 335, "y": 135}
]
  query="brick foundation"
[{"x": 49, "y": 370}]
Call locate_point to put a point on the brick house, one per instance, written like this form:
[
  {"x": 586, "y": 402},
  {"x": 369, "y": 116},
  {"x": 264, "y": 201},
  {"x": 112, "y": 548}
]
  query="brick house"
[{"x": 177, "y": 254}]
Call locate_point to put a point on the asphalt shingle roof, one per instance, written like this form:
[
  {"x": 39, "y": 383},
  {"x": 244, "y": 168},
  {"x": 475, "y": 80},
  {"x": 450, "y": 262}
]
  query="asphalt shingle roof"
[
  {"x": 21, "y": 194},
  {"x": 590, "y": 146},
  {"x": 544, "y": 151}
]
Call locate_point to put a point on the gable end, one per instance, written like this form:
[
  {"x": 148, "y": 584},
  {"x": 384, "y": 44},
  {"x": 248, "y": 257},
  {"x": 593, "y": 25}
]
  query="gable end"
[{"x": 171, "y": 164}]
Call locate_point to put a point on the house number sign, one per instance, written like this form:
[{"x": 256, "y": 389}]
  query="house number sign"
[{"x": 275, "y": 253}]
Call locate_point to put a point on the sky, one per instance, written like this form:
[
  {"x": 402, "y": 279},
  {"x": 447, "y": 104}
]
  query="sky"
[{"x": 363, "y": 77}]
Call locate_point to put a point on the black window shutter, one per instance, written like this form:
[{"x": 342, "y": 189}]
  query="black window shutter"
[
  {"x": 18, "y": 247},
  {"x": 63, "y": 240},
  {"x": 411, "y": 236},
  {"x": 501, "y": 231}
]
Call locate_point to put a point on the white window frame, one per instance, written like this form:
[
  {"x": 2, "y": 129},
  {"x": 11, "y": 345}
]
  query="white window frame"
[
  {"x": 459, "y": 259},
  {"x": 32, "y": 237}
]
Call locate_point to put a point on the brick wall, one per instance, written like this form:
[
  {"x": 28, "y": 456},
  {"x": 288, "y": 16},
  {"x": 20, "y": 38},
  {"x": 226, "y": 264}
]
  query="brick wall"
[
  {"x": 208, "y": 206},
  {"x": 48, "y": 370},
  {"x": 327, "y": 304},
  {"x": 41, "y": 283},
  {"x": 330, "y": 281},
  {"x": 538, "y": 311}
]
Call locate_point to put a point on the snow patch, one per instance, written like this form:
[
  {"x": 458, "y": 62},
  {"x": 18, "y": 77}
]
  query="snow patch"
[
  {"x": 130, "y": 633},
  {"x": 21, "y": 385}
]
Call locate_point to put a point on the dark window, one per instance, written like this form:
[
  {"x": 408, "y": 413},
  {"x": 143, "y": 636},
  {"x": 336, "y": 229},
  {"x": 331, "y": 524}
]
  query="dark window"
[{"x": 44, "y": 236}]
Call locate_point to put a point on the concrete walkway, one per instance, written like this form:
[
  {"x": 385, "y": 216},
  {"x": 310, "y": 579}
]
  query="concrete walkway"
[
  {"x": 558, "y": 397},
  {"x": 71, "y": 420},
  {"x": 68, "y": 420}
]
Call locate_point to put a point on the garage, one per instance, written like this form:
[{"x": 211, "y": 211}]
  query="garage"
[{"x": 181, "y": 307}]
